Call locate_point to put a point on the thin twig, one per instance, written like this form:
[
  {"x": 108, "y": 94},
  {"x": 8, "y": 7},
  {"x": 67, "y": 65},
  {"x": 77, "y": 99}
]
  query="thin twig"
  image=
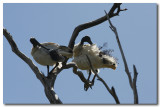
[
  {"x": 86, "y": 26},
  {"x": 78, "y": 73},
  {"x": 132, "y": 83},
  {"x": 112, "y": 90},
  {"x": 49, "y": 83},
  {"x": 121, "y": 50}
]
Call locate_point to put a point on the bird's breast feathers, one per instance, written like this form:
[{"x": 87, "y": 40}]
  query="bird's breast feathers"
[{"x": 42, "y": 56}]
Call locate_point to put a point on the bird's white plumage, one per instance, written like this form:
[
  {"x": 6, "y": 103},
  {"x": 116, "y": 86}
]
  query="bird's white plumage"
[
  {"x": 80, "y": 58},
  {"x": 42, "y": 56},
  {"x": 92, "y": 51}
]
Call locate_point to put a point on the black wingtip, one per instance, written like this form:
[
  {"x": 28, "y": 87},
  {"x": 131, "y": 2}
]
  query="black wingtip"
[{"x": 34, "y": 41}]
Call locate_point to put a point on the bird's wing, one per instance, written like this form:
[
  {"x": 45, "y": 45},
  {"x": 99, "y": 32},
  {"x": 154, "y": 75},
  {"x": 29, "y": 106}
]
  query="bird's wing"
[
  {"x": 65, "y": 51},
  {"x": 50, "y": 45},
  {"x": 55, "y": 56}
]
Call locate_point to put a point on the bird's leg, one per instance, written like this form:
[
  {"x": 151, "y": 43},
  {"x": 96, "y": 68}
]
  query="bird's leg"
[
  {"x": 55, "y": 66},
  {"x": 91, "y": 83},
  {"x": 94, "y": 77},
  {"x": 89, "y": 75},
  {"x": 85, "y": 85},
  {"x": 47, "y": 70},
  {"x": 49, "y": 73}
]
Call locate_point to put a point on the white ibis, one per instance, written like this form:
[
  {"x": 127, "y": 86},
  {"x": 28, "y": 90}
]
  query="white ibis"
[
  {"x": 49, "y": 54},
  {"x": 98, "y": 58}
]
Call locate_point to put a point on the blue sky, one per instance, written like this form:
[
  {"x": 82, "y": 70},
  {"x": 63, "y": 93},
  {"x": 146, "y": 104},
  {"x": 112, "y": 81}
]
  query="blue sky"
[{"x": 137, "y": 29}]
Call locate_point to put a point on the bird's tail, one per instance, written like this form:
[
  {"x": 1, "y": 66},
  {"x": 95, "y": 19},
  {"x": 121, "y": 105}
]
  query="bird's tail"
[{"x": 65, "y": 51}]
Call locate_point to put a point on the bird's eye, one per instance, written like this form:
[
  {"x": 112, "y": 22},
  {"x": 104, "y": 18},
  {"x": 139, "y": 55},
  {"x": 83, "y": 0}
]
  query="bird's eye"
[
  {"x": 114, "y": 64},
  {"x": 100, "y": 54}
]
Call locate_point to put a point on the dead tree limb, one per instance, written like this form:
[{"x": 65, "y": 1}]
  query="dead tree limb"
[
  {"x": 84, "y": 26},
  {"x": 78, "y": 73},
  {"x": 132, "y": 83},
  {"x": 112, "y": 90},
  {"x": 93, "y": 23},
  {"x": 49, "y": 83},
  {"x": 48, "y": 86}
]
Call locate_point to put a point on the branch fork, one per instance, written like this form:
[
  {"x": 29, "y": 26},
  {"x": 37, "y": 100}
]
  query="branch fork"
[
  {"x": 49, "y": 83},
  {"x": 131, "y": 82}
]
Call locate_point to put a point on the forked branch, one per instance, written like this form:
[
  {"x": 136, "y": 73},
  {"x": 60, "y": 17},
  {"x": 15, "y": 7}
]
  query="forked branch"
[
  {"x": 94, "y": 23},
  {"x": 132, "y": 83},
  {"x": 51, "y": 95},
  {"x": 112, "y": 90},
  {"x": 78, "y": 73},
  {"x": 49, "y": 83}
]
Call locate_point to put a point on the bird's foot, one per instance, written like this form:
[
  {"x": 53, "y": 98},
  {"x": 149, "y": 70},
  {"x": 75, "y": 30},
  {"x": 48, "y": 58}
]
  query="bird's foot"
[
  {"x": 92, "y": 83},
  {"x": 87, "y": 85}
]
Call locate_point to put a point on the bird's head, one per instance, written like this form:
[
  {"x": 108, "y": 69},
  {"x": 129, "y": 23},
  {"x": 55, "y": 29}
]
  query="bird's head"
[
  {"x": 86, "y": 39},
  {"x": 109, "y": 62}
]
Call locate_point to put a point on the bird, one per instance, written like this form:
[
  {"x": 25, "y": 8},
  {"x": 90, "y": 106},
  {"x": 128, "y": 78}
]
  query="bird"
[
  {"x": 98, "y": 58},
  {"x": 49, "y": 54}
]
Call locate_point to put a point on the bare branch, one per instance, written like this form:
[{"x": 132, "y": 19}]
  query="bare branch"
[
  {"x": 14, "y": 47},
  {"x": 121, "y": 50},
  {"x": 51, "y": 95},
  {"x": 111, "y": 91},
  {"x": 48, "y": 83},
  {"x": 92, "y": 23},
  {"x": 78, "y": 73},
  {"x": 132, "y": 83}
]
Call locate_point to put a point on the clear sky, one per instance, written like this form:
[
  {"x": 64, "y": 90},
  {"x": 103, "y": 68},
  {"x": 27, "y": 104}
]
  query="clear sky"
[{"x": 137, "y": 29}]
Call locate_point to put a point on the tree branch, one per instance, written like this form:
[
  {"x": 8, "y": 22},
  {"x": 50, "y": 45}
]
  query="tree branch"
[
  {"x": 78, "y": 73},
  {"x": 93, "y": 23},
  {"x": 121, "y": 50},
  {"x": 88, "y": 25},
  {"x": 48, "y": 83},
  {"x": 132, "y": 83},
  {"x": 51, "y": 95},
  {"x": 112, "y": 90},
  {"x": 15, "y": 49}
]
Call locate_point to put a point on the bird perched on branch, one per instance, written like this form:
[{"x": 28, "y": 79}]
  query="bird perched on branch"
[
  {"x": 97, "y": 57},
  {"x": 49, "y": 54}
]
